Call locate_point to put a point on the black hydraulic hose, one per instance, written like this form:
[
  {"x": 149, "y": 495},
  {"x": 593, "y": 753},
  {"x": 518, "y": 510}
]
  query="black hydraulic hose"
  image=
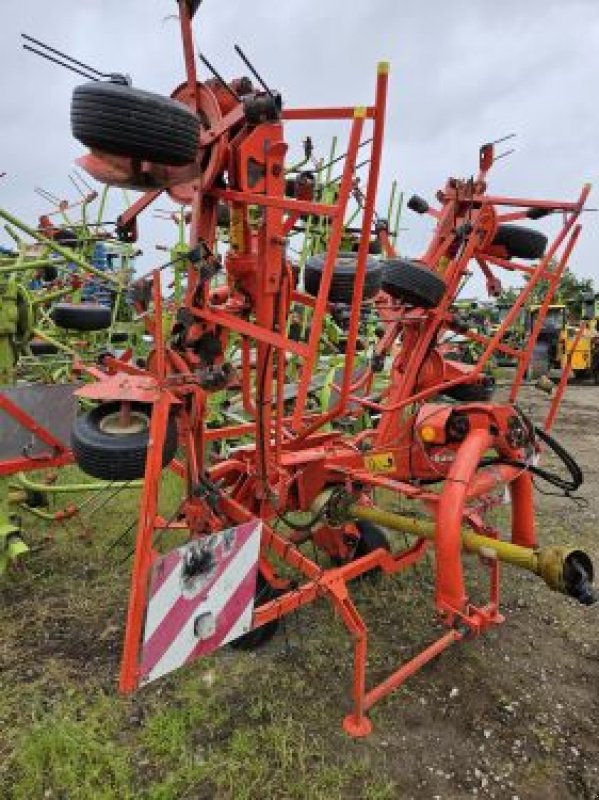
[{"x": 567, "y": 486}]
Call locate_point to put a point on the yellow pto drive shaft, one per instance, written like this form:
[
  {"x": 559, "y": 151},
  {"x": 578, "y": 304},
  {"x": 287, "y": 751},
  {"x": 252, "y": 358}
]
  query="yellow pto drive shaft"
[{"x": 564, "y": 569}]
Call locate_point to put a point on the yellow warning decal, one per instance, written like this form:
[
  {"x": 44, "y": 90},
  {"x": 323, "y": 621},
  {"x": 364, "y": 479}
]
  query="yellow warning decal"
[
  {"x": 380, "y": 462},
  {"x": 236, "y": 230}
]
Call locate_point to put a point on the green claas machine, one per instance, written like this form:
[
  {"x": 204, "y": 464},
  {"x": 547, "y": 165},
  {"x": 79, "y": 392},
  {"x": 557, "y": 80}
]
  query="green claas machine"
[{"x": 57, "y": 302}]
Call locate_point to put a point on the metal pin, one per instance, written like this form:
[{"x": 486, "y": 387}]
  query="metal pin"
[
  {"x": 77, "y": 187},
  {"x": 82, "y": 179},
  {"x": 219, "y": 78},
  {"x": 48, "y": 196},
  {"x": 253, "y": 70},
  {"x": 503, "y": 139},
  {"x": 60, "y": 63},
  {"x": 62, "y": 55},
  {"x": 504, "y": 154}
]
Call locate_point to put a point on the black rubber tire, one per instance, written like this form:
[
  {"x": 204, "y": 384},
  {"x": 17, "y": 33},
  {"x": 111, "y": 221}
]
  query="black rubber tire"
[
  {"x": 375, "y": 248},
  {"x": 49, "y": 274},
  {"x": 119, "y": 337},
  {"x": 39, "y": 347},
  {"x": 371, "y": 538},
  {"x": 65, "y": 237},
  {"x": 472, "y": 392},
  {"x": 342, "y": 283},
  {"x": 111, "y": 457},
  {"x": 124, "y": 121},
  {"x": 289, "y": 187},
  {"x": 81, "y": 316},
  {"x": 412, "y": 283},
  {"x": 259, "y": 636},
  {"x": 103, "y": 355},
  {"x": 521, "y": 242}
]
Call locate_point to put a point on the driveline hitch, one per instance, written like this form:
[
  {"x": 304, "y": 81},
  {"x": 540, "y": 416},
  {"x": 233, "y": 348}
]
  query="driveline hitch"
[
  {"x": 578, "y": 578},
  {"x": 564, "y": 569}
]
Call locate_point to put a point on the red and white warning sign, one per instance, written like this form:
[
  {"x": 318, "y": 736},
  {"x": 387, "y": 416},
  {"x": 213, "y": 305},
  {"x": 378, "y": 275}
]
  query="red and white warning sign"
[{"x": 201, "y": 597}]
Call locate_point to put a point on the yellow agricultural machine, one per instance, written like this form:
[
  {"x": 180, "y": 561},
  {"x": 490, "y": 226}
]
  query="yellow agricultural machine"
[
  {"x": 559, "y": 341},
  {"x": 590, "y": 311}
]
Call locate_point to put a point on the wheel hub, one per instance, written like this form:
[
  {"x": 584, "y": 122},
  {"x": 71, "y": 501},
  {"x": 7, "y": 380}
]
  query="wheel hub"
[{"x": 118, "y": 424}]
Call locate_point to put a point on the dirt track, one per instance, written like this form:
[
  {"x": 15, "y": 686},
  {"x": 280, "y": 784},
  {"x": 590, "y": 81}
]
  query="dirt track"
[
  {"x": 524, "y": 721},
  {"x": 514, "y": 714}
]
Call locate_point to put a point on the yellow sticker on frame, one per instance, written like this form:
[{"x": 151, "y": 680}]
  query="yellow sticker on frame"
[{"x": 380, "y": 462}]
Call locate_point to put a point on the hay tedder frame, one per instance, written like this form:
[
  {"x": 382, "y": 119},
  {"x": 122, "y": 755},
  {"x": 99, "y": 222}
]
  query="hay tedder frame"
[{"x": 449, "y": 461}]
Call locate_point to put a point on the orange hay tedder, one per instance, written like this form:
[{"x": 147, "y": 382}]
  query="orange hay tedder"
[{"x": 439, "y": 442}]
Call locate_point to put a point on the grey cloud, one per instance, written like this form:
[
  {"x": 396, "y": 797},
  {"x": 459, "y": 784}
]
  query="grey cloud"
[{"x": 463, "y": 72}]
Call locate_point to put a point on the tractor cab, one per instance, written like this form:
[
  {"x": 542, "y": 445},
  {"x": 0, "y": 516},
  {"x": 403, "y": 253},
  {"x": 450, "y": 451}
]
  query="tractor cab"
[
  {"x": 555, "y": 320},
  {"x": 590, "y": 310},
  {"x": 559, "y": 342},
  {"x": 502, "y": 311},
  {"x": 549, "y": 346}
]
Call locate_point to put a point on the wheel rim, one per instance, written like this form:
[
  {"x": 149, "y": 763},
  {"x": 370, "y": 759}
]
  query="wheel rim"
[
  {"x": 211, "y": 114},
  {"x": 116, "y": 425}
]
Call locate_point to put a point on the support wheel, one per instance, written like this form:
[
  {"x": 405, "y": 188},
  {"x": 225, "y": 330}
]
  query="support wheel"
[
  {"x": 129, "y": 122},
  {"x": 412, "y": 283},
  {"x": 260, "y": 636},
  {"x": 119, "y": 337},
  {"x": 111, "y": 447},
  {"x": 81, "y": 316},
  {"x": 344, "y": 276},
  {"x": 39, "y": 347},
  {"x": 25, "y": 321},
  {"x": 521, "y": 242},
  {"x": 371, "y": 538},
  {"x": 481, "y": 392}
]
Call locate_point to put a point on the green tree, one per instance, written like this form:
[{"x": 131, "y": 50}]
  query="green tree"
[
  {"x": 569, "y": 292},
  {"x": 508, "y": 296}
]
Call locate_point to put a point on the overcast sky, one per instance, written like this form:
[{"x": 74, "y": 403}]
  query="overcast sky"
[{"x": 462, "y": 72}]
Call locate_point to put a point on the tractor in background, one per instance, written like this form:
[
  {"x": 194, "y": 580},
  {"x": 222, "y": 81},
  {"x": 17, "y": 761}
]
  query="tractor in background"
[{"x": 561, "y": 343}]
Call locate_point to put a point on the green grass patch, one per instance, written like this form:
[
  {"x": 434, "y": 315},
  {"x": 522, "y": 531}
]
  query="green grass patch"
[{"x": 76, "y": 756}]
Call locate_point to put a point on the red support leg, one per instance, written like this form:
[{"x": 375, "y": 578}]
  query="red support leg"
[
  {"x": 357, "y": 723},
  {"x": 523, "y": 512},
  {"x": 450, "y": 594},
  {"x": 143, "y": 546}
]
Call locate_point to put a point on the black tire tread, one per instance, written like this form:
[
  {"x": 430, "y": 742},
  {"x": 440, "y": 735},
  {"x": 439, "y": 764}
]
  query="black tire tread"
[
  {"x": 135, "y": 123},
  {"x": 472, "y": 392},
  {"x": 39, "y": 347},
  {"x": 412, "y": 283},
  {"x": 259, "y": 636},
  {"x": 115, "y": 458},
  {"x": 371, "y": 538},
  {"x": 342, "y": 283},
  {"x": 521, "y": 242},
  {"x": 81, "y": 316}
]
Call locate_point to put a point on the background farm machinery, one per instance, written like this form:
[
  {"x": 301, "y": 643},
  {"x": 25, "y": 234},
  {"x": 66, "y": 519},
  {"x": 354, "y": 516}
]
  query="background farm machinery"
[
  {"x": 561, "y": 340},
  {"x": 439, "y": 447},
  {"x": 63, "y": 302}
]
